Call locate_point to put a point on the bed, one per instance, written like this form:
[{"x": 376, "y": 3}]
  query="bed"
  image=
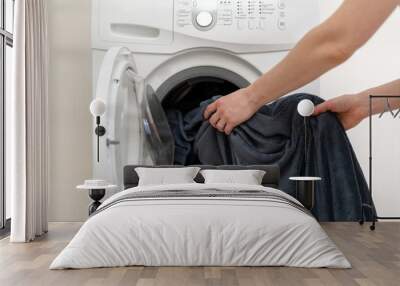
[{"x": 201, "y": 224}]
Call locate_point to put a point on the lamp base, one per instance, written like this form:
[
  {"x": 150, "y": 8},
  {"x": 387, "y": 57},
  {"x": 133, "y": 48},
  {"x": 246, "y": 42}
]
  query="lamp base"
[
  {"x": 96, "y": 195},
  {"x": 305, "y": 190},
  {"x": 305, "y": 193}
]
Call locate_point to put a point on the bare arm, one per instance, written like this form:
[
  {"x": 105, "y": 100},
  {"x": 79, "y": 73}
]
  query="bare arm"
[
  {"x": 320, "y": 50},
  {"x": 391, "y": 88},
  {"x": 323, "y": 48},
  {"x": 353, "y": 108}
]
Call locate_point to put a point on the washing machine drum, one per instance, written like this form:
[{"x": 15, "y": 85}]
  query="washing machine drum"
[{"x": 156, "y": 129}]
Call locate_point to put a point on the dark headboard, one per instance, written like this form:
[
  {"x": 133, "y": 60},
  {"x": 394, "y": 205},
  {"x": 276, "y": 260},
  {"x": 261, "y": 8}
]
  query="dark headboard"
[{"x": 271, "y": 177}]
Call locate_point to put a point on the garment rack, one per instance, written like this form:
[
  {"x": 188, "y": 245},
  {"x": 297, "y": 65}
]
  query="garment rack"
[{"x": 371, "y": 206}]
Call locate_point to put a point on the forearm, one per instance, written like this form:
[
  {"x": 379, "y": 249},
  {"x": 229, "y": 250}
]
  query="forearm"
[
  {"x": 323, "y": 48},
  {"x": 315, "y": 54},
  {"x": 378, "y": 105}
]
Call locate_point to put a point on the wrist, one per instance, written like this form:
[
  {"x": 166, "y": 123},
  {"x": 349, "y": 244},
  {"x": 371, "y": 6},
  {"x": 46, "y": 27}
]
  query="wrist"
[
  {"x": 255, "y": 97},
  {"x": 362, "y": 101}
]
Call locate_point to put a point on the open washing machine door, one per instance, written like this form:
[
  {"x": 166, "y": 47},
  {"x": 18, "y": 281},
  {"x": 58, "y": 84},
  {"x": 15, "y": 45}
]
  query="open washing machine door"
[
  {"x": 159, "y": 138},
  {"x": 137, "y": 130}
]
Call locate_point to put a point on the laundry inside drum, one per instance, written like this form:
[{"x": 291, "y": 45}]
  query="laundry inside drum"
[
  {"x": 186, "y": 97},
  {"x": 188, "y": 94}
]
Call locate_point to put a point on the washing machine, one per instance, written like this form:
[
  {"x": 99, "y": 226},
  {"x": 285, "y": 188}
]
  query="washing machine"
[{"x": 151, "y": 55}]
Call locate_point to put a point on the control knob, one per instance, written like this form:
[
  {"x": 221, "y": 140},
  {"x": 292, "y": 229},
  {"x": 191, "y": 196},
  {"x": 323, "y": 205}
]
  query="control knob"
[{"x": 204, "y": 19}]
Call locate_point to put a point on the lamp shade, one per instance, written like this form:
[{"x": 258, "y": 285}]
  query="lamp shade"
[
  {"x": 97, "y": 107},
  {"x": 305, "y": 108}
]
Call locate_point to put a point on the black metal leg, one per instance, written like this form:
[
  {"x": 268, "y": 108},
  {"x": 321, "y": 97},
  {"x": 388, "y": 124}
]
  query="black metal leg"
[
  {"x": 374, "y": 216},
  {"x": 361, "y": 221},
  {"x": 372, "y": 226},
  {"x": 96, "y": 195},
  {"x": 305, "y": 193},
  {"x": 93, "y": 207}
]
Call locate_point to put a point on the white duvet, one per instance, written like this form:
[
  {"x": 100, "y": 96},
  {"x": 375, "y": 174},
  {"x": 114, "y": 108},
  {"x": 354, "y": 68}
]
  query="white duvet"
[{"x": 200, "y": 231}]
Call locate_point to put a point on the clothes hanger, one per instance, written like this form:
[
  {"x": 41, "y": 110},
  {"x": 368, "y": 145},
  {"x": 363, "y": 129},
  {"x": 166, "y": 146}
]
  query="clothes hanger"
[{"x": 388, "y": 108}]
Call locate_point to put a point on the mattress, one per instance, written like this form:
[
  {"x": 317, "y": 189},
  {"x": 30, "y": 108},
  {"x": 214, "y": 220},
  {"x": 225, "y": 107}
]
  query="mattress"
[{"x": 201, "y": 225}]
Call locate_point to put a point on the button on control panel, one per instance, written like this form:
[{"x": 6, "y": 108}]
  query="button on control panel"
[
  {"x": 204, "y": 19},
  {"x": 183, "y": 13},
  {"x": 250, "y": 15}
]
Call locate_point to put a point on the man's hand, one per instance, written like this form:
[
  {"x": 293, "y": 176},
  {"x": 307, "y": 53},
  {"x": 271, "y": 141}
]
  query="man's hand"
[
  {"x": 351, "y": 109},
  {"x": 231, "y": 110}
]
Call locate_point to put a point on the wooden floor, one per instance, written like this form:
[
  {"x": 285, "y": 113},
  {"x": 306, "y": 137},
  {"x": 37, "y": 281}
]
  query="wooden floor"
[{"x": 375, "y": 257}]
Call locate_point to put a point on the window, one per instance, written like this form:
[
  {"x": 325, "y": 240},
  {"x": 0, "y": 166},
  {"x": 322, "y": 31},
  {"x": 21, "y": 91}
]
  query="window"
[{"x": 6, "y": 45}]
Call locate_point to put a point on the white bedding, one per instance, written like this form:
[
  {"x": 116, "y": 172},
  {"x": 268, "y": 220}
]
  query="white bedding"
[{"x": 200, "y": 231}]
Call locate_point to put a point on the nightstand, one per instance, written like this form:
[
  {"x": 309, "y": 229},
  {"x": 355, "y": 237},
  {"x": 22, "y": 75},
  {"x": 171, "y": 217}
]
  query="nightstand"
[
  {"x": 97, "y": 190},
  {"x": 305, "y": 188}
]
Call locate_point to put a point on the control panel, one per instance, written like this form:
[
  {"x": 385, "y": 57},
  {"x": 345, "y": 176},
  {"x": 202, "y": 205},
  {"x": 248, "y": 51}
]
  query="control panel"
[
  {"x": 241, "y": 26},
  {"x": 284, "y": 21},
  {"x": 241, "y": 14}
]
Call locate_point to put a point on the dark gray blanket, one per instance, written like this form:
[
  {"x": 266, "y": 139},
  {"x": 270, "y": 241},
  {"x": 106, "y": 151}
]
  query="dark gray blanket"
[{"x": 275, "y": 135}]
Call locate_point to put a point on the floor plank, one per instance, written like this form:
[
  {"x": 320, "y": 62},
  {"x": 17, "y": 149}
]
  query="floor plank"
[{"x": 375, "y": 257}]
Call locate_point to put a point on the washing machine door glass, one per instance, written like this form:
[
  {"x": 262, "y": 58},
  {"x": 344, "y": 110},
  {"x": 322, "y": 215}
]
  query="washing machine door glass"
[{"x": 156, "y": 129}]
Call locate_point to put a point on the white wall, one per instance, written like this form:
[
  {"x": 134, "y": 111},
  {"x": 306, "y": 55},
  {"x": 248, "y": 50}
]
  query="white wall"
[
  {"x": 70, "y": 93},
  {"x": 374, "y": 64}
]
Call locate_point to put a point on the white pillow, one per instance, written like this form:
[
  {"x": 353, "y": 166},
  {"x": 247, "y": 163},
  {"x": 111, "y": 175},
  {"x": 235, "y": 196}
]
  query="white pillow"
[
  {"x": 162, "y": 176},
  {"x": 248, "y": 177}
]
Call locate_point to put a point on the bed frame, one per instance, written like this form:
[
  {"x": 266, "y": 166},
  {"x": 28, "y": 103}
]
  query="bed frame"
[{"x": 271, "y": 177}]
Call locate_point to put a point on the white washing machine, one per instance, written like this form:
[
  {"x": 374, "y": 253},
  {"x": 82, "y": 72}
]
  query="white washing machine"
[{"x": 186, "y": 51}]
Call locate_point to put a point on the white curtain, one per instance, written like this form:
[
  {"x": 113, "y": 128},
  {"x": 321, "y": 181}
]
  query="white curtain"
[{"x": 28, "y": 123}]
